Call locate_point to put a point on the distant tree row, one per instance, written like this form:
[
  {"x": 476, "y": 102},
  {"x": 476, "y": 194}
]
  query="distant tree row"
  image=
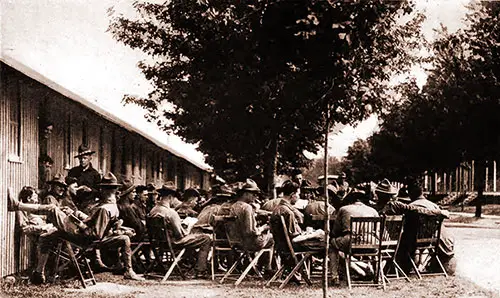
[{"x": 454, "y": 117}]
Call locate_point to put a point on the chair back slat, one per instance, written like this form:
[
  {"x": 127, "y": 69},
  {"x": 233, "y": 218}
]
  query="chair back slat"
[
  {"x": 428, "y": 229},
  {"x": 393, "y": 228},
  {"x": 282, "y": 241},
  {"x": 365, "y": 232}
]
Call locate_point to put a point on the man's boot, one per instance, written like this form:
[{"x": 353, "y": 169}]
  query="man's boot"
[{"x": 12, "y": 202}]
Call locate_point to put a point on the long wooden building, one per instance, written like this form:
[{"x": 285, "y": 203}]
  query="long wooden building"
[{"x": 39, "y": 117}]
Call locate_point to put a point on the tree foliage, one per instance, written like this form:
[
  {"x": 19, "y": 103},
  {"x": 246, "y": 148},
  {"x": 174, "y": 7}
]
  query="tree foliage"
[
  {"x": 250, "y": 80},
  {"x": 454, "y": 117}
]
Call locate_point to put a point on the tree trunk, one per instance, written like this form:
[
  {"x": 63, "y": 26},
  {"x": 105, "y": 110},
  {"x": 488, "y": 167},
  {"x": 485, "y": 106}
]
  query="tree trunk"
[
  {"x": 480, "y": 186},
  {"x": 271, "y": 168}
]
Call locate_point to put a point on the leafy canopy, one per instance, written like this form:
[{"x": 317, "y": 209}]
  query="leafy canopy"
[{"x": 250, "y": 81}]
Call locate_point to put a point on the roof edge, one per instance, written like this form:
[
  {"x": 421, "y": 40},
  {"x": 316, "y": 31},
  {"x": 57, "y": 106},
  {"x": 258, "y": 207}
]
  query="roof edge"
[{"x": 93, "y": 106}]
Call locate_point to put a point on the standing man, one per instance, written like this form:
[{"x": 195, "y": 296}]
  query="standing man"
[{"x": 87, "y": 178}]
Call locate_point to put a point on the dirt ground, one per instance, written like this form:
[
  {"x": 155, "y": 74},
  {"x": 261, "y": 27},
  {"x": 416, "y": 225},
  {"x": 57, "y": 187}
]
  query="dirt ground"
[{"x": 116, "y": 286}]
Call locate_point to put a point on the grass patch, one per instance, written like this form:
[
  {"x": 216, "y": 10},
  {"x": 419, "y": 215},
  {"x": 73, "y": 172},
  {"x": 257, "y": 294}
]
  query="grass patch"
[
  {"x": 428, "y": 287},
  {"x": 490, "y": 209},
  {"x": 463, "y": 219}
]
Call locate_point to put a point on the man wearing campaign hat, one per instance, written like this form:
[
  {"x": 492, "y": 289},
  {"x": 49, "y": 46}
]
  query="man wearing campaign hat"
[
  {"x": 212, "y": 207},
  {"x": 57, "y": 188},
  {"x": 87, "y": 178},
  {"x": 181, "y": 237},
  {"x": 85, "y": 230},
  {"x": 245, "y": 228},
  {"x": 128, "y": 212}
]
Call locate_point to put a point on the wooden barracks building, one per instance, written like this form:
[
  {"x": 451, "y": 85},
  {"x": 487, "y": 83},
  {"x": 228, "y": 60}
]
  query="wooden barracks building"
[{"x": 40, "y": 117}]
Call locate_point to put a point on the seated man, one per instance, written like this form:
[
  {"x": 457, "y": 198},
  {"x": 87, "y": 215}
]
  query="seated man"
[
  {"x": 32, "y": 225},
  {"x": 244, "y": 229},
  {"x": 93, "y": 228},
  {"x": 190, "y": 199},
  {"x": 181, "y": 237},
  {"x": 211, "y": 208},
  {"x": 312, "y": 241},
  {"x": 128, "y": 212},
  {"x": 57, "y": 194},
  {"x": 446, "y": 250},
  {"x": 316, "y": 207},
  {"x": 355, "y": 207}
]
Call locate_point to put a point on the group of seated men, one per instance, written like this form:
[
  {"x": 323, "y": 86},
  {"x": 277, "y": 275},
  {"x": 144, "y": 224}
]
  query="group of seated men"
[{"x": 131, "y": 206}]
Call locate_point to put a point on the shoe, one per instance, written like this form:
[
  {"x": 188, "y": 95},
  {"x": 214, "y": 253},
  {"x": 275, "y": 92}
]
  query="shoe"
[
  {"x": 130, "y": 274},
  {"x": 335, "y": 281},
  {"x": 296, "y": 279},
  {"x": 37, "y": 278},
  {"x": 99, "y": 266},
  {"x": 12, "y": 202},
  {"x": 202, "y": 275}
]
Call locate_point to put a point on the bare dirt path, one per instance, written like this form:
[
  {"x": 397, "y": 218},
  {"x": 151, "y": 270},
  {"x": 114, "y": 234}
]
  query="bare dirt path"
[{"x": 477, "y": 253}]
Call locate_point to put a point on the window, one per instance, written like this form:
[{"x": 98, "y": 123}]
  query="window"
[
  {"x": 124, "y": 155},
  {"x": 113, "y": 151},
  {"x": 102, "y": 164},
  {"x": 67, "y": 142},
  {"x": 133, "y": 157},
  {"x": 170, "y": 168},
  {"x": 15, "y": 117},
  {"x": 85, "y": 134}
]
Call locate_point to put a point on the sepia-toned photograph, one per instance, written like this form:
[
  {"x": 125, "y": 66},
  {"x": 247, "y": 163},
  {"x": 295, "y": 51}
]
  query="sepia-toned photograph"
[{"x": 249, "y": 148}]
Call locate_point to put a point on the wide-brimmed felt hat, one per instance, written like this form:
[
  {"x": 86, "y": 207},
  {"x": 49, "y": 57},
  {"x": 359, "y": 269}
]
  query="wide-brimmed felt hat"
[
  {"x": 70, "y": 180},
  {"x": 127, "y": 187},
  {"x": 167, "y": 189},
  {"x": 58, "y": 179},
  {"x": 386, "y": 187},
  {"x": 250, "y": 186},
  {"x": 84, "y": 150},
  {"x": 191, "y": 192},
  {"x": 109, "y": 180},
  {"x": 224, "y": 191},
  {"x": 151, "y": 188}
]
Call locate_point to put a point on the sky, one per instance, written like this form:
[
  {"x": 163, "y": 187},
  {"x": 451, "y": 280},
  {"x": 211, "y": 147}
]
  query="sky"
[{"x": 66, "y": 41}]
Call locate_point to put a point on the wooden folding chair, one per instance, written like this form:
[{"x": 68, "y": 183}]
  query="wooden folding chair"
[
  {"x": 220, "y": 243},
  {"x": 138, "y": 252},
  {"x": 68, "y": 252},
  {"x": 393, "y": 229},
  {"x": 366, "y": 246},
  {"x": 242, "y": 254},
  {"x": 166, "y": 256},
  {"x": 284, "y": 249},
  {"x": 427, "y": 236}
]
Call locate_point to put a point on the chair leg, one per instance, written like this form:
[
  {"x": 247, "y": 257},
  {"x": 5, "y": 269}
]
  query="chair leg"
[
  {"x": 233, "y": 267},
  {"x": 398, "y": 268},
  {"x": 251, "y": 265},
  {"x": 174, "y": 264},
  {"x": 441, "y": 265},
  {"x": 415, "y": 267},
  {"x": 75, "y": 263},
  {"x": 276, "y": 275},
  {"x": 298, "y": 266},
  {"x": 347, "y": 270},
  {"x": 380, "y": 274},
  {"x": 212, "y": 263}
]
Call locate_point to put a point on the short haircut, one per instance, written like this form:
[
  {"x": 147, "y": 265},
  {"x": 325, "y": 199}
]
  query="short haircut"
[
  {"x": 26, "y": 192},
  {"x": 289, "y": 187}
]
